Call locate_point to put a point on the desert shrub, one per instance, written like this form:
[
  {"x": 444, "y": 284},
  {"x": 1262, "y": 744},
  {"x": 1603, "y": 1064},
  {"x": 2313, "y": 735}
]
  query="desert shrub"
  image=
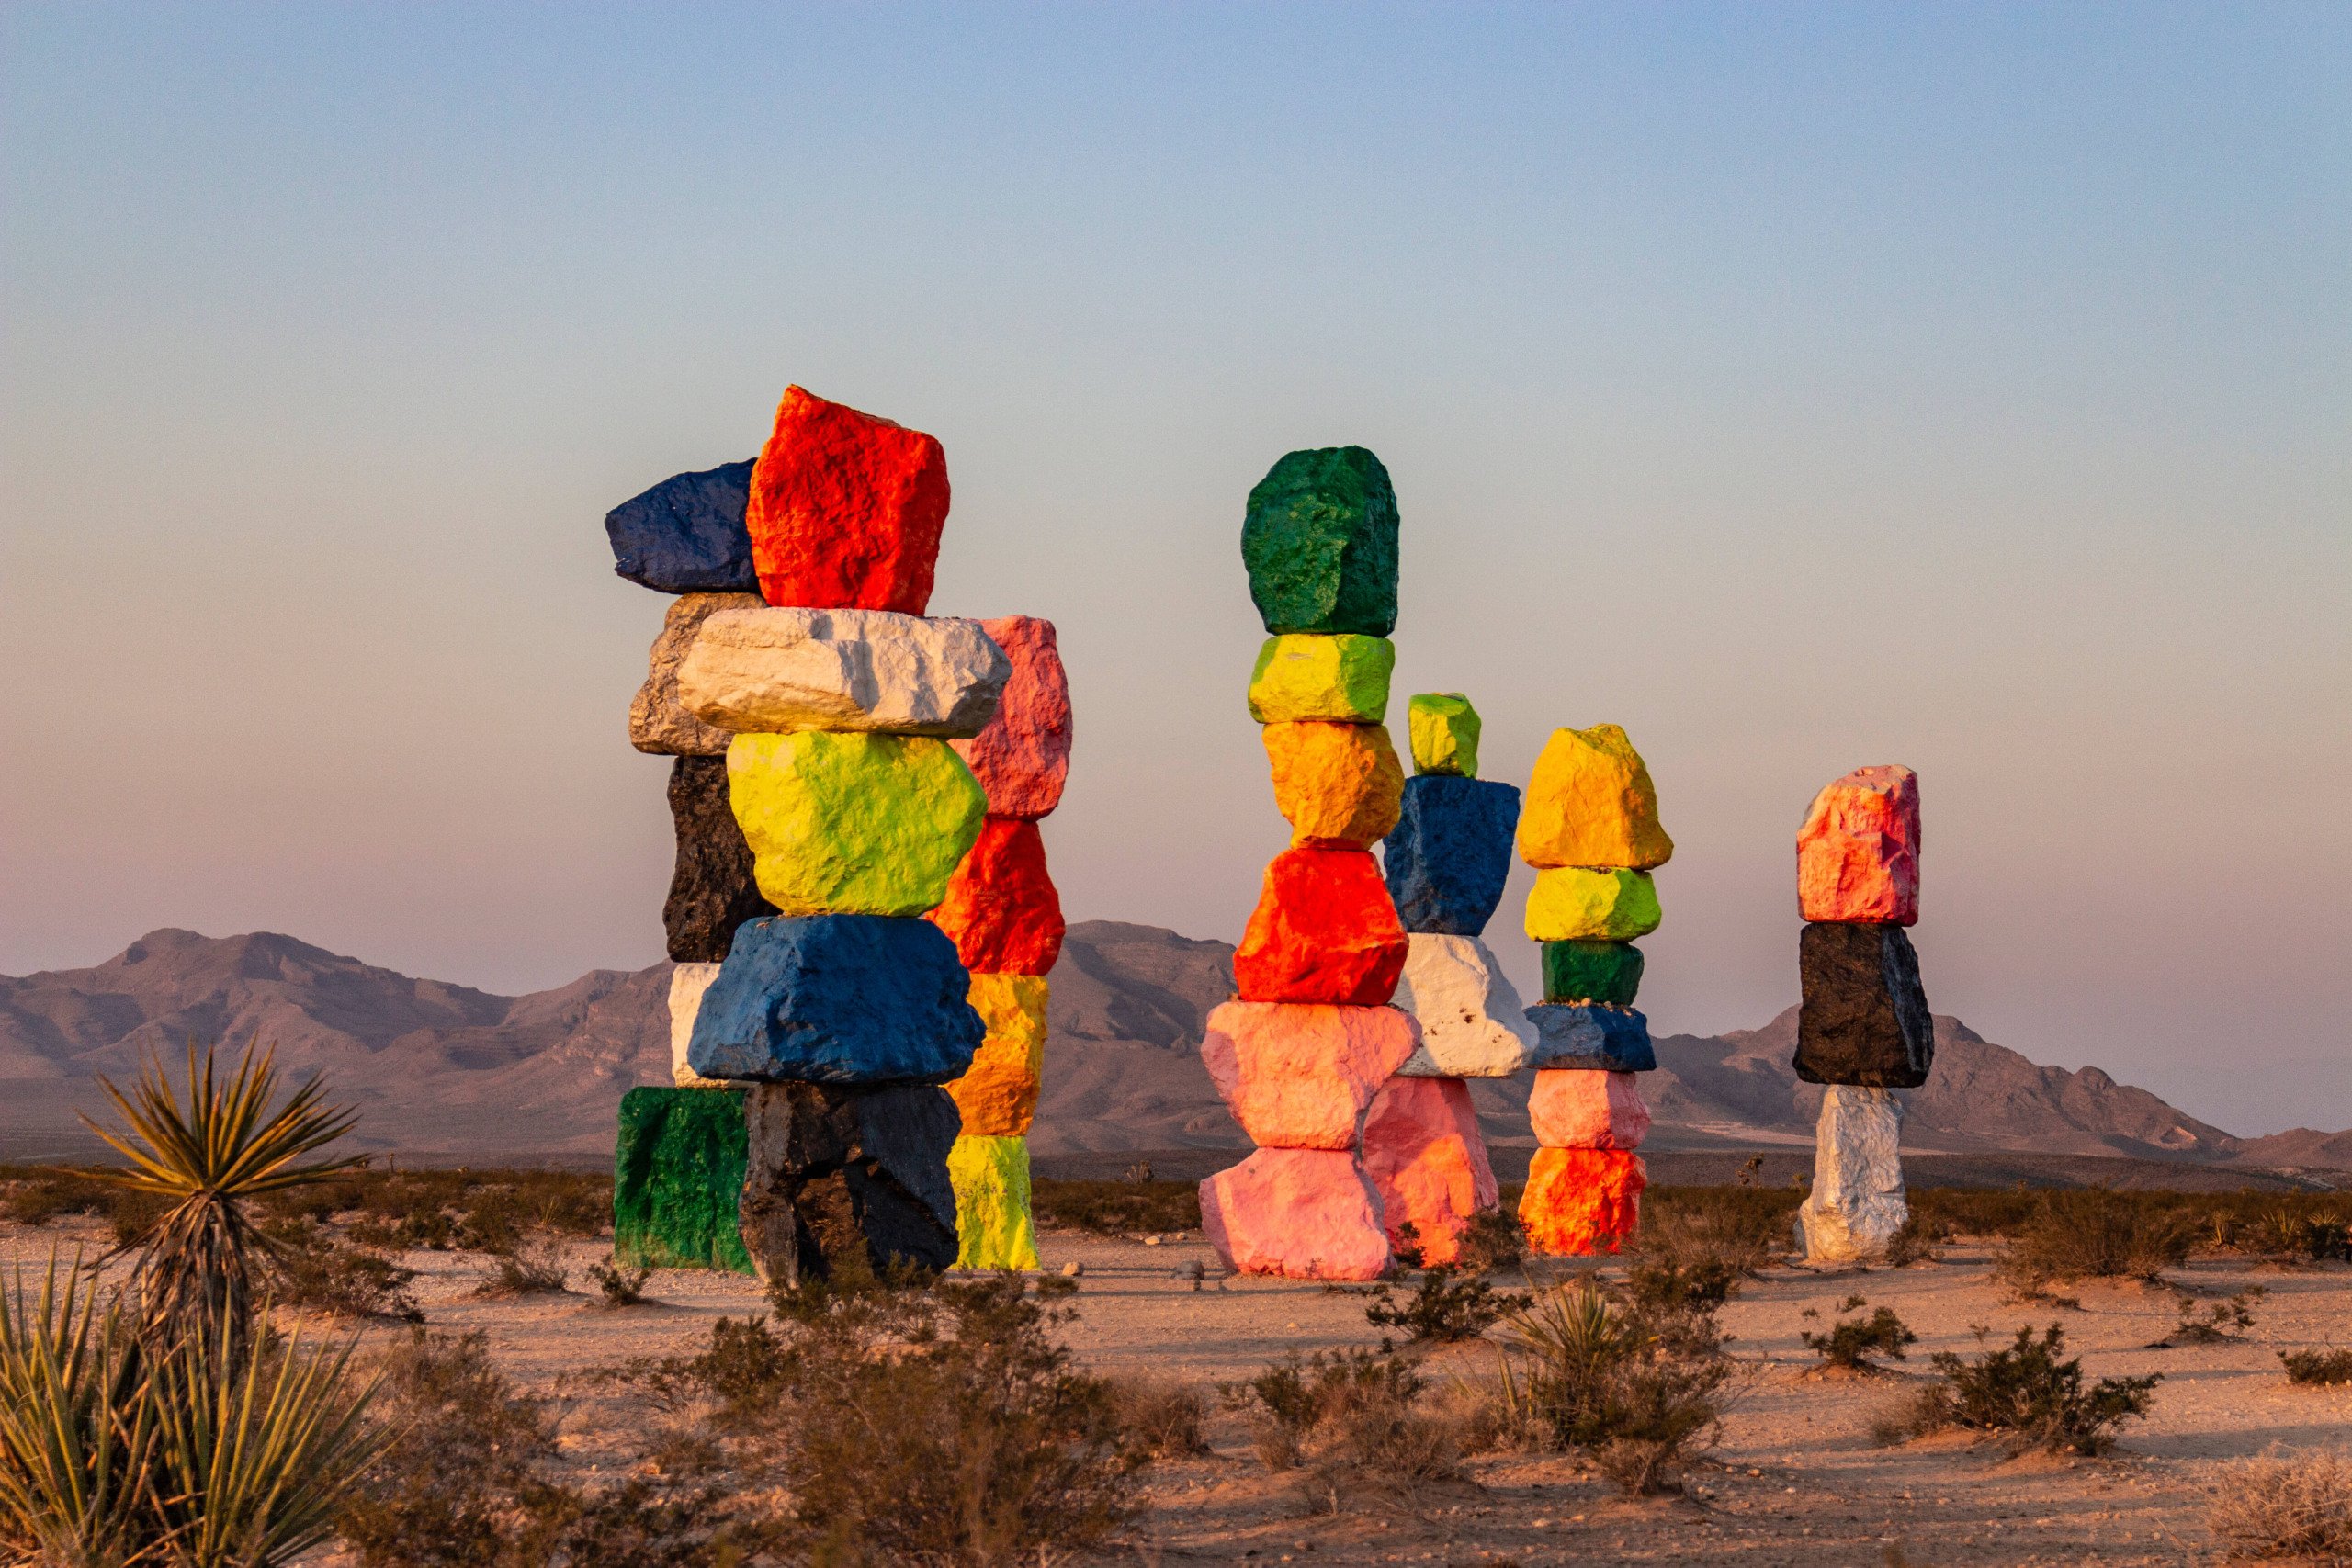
[
  {"x": 1921, "y": 1239},
  {"x": 1974, "y": 1210},
  {"x": 1691, "y": 1284},
  {"x": 740, "y": 1377},
  {"x": 1117, "y": 1208},
  {"x": 1351, "y": 1424},
  {"x": 1159, "y": 1417},
  {"x": 2033, "y": 1394},
  {"x": 1443, "y": 1307},
  {"x": 2285, "y": 1506},
  {"x": 77, "y": 1434},
  {"x": 35, "y": 1196},
  {"x": 618, "y": 1284},
  {"x": 1493, "y": 1240},
  {"x": 2319, "y": 1367},
  {"x": 2095, "y": 1234},
  {"x": 312, "y": 1268},
  {"x": 525, "y": 1266},
  {"x": 1743, "y": 1228},
  {"x": 1850, "y": 1342},
  {"x": 2216, "y": 1323},
  {"x": 2285, "y": 1234}
]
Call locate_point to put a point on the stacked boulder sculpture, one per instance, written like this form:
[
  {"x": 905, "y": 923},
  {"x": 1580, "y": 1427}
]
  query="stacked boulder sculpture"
[
  {"x": 1862, "y": 1028},
  {"x": 822, "y": 810},
  {"x": 1445, "y": 864},
  {"x": 1310, "y": 1038},
  {"x": 1590, "y": 829}
]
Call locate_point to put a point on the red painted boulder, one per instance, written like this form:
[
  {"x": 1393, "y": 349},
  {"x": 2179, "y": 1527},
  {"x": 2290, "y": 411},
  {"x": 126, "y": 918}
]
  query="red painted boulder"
[
  {"x": 1857, "y": 853},
  {"x": 1001, "y": 909},
  {"x": 1577, "y": 1107},
  {"x": 1581, "y": 1201},
  {"x": 1324, "y": 930},
  {"x": 1023, "y": 757},
  {"x": 845, "y": 509},
  {"x": 1300, "y": 1075},
  {"x": 1302, "y": 1214},
  {"x": 1426, "y": 1159}
]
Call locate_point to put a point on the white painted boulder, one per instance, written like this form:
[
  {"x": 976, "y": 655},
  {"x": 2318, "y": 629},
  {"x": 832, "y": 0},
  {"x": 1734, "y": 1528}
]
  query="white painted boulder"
[
  {"x": 687, "y": 983},
  {"x": 656, "y": 721},
  {"x": 1473, "y": 1023},
  {"x": 1856, "y": 1204},
  {"x": 780, "y": 671}
]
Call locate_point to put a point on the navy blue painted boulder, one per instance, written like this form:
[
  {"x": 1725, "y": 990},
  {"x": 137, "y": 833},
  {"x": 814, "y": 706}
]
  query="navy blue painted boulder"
[
  {"x": 1609, "y": 1040},
  {"x": 686, "y": 533},
  {"x": 837, "y": 1000},
  {"x": 1450, "y": 852}
]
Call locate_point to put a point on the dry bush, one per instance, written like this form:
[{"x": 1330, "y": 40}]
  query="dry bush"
[
  {"x": 1442, "y": 1308},
  {"x": 1159, "y": 1417},
  {"x": 2290, "y": 1234},
  {"x": 314, "y": 1269},
  {"x": 1352, "y": 1425},
  {"x": 618, "y": 1284},
  {"x": 2032, "y": 1394},
  {"x": 1852, "y": 1341},
  {"x": 2095, "y": 1234},
  {"x": 2219, "y": 1322},
  {"x": 526, "y": 1266},
  {"x": 2319, "y": 1367},
  {"x": 35, "y": 1195},
  {"x": 1117, "y": 1208},
  {"x": 2285, "y": 1506},
  {"x": 1740, "y": 1228}
]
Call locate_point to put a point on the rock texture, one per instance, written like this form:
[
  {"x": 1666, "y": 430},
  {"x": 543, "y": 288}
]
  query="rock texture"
[
  {"x": 844, "y": 1183},
  {"x": 845, "y": 509},
  {"x": 1300, "y": 1075},
  {"x": 1022, "y": 758},
  {"x": 775, "y": 670},
  {"x": 1427, "y": 1163},
  {"x": 1323, "y": 931},
  {"x": 1444, "y": 734},
  {"x": 1302, "y": 676},
  {"x": 1857, "y": 853},
  {"x": 1579, "y": 1203},
  {"x": 996, "y": 1097},
  {"x": 677, "y": 1171},
  {"x": 686, "y": 533},
  {"x": 1001, "y": 909},
  {"x": 1576, "y": 1109},
  {"x": 1319, "y": 541},
  {"x": 1864, "y": 1019},
  {"x": 837, "y": 1000},
  {"x": 657, "y": 723},
  {"x": 1473, "y": 1024},
  {"x": 853, "y": 823},
  {"x": 687, "y": 984},
  {"x": 1450, "y": 852},
  {"x": 1302, "y": 1214},
  {"x": 713, "y": 889},
  {"x": 1856, "y": 1204},
  {"x": 1608, "y": 973},
  {"x": 1614, "y": 1039},
  {"x": 1590, "y": 803},
  {"x": 1336, "y": 784},
  {"x": 1574, "y": 904},
  {"x": 993, "y": 1229}
]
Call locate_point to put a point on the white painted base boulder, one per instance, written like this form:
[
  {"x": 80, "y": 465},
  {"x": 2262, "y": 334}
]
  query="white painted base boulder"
[
  {"x": 1856, "y": 1204},
  {"x": 781, "y": 670},
  {"x": 687, "y": 983},
  {"x": 1473, "y": 1023}
]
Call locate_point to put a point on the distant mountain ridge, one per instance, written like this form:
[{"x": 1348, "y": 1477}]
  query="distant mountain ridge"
[{"x": 447, "y": 1071}]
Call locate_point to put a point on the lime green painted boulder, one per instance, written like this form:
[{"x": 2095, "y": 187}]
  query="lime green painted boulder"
[
  {"x": 1304, "y": 676},
  {"x": 853, "y": 824},
  {"x": 1320, "y": 543},
  {"x": 992, "y": 1223},
  {"x": 1582, "y": 904},
  {"x": 677, "y": 1176},
  {"x": 1445, "y": 733}
]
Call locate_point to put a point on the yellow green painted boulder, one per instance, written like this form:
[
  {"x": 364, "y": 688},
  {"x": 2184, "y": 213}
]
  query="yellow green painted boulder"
[
  {"x": 1303, "y": 675},
  {"x": 992, "y": 1225},
  {"x": 853, "y": 824},
  {"x": 1591, "y": 804},
  {"x": 997, "y": 1096},
  {"x": 1444, "y": 733},
  {"x": 1577, "y": 904}
]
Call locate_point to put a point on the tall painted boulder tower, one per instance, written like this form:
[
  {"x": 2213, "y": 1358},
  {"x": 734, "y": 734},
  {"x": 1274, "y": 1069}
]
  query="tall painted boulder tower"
[
  {"x": 1445, "y": 861},
  {"x": 1006, "y": 920},
  {"x": 1863, "y": 1025},
  {"x": 1306, "y": 1047},
  {"x": 822, "y": 809},
  {"x": 1591, "y": 831}
]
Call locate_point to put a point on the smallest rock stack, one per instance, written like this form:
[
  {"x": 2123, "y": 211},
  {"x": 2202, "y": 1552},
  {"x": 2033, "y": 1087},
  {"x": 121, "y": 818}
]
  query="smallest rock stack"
[
  {"x": 1591, "y": 831},
  {"x": 1863, "y": 1028}
]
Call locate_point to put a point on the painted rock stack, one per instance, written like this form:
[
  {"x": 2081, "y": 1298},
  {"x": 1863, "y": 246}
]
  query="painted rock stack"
[
  {"x": 1006, "y": 921},
  {"x": 1590, "y": 830},
  {"x": 1445, "y": 864},
  {"x": 820, "y": 813},
  {"x": 1309, "y": 1038},
  {"x": 1863, "y": 1028}
]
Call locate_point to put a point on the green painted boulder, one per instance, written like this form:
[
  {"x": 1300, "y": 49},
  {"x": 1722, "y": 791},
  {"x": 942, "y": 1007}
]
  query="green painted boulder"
[
  {"x": 1306, "y": 677},
  {"x": 1608, "y": 973},
  {"x": 993, "y": 1229},
  {"x": 677, "y": 1177},
  {"x": 853, "y": 824},
  {"x": 1320, "y": 544}
]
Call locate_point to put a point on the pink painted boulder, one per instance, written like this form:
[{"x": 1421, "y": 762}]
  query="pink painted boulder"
[
  {"x": 1023, "y": 757},
  {"x": 1423, "y": 1152},
  {"x": 1576, "y": 1107},
  {"x": 1857, "y": 853},
  {"x": 1299, "y": 1074},
  {"x": 1302, "y": 1214}
]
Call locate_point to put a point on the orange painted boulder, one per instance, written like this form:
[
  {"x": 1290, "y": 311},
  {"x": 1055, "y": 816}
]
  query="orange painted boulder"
[
  {"x": 1339, "y": 785},
  {"x": 1428, "y": 1162},
  {"x": 1022, "y": 759},
  {"x": 996, "y": 1097},
  {"x": 1576, "y": 1107},
  {"x": 1323, "y": 931},
  {"x": 1302, "y": 1214},
  {"x": 1000, "y": 908},
  {"x": 1299, "y": 1074},
  {"x": 1857, "y": 853},
  {"x": 1581, "y": 1201},
  {"x": 845, "y": 509},
  {"x": 1591, "y": 803}
]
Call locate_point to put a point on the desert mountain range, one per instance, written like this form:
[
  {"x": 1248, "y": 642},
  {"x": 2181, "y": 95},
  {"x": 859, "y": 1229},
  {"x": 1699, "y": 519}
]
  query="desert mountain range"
[{"x": 447, "y": 1072}]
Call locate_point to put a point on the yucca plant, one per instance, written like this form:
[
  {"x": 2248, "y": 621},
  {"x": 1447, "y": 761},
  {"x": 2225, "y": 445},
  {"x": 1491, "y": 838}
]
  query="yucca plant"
[
  {"x": 210, "y": 1157},
  {"x": 76, "y": 1430}
]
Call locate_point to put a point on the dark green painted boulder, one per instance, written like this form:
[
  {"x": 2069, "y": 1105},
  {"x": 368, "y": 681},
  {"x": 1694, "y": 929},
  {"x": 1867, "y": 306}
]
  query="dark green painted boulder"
[
  {"x": 1608, "y": 973},
  {"x": 677, "y": 1178},
  {"x": 1320, "y": 544}
]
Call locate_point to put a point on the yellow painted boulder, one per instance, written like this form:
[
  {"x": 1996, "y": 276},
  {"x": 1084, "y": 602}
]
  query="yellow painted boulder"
[
  {"x": 853, "y": 824},
  {"x": 998, "y": 1096},
  {"x": 1444, "y": 731},
  {"x": 993, "y": 1229},
  {"x": 1575, "y": 904},
  {"x": 1338, "y": 785},
  {"x": 1301, "y": 676},
  {"x": 1591, "y": 804}
]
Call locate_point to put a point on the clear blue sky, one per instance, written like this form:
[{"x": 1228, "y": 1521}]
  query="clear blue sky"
[{"x": 1801, "y": 387}]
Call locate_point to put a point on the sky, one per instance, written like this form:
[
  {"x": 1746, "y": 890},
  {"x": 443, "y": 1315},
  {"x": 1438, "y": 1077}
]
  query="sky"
[{"x": 1801, "y": 387}]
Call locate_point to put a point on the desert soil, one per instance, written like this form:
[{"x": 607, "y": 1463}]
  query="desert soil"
[{"x": 1795, "y": 1480}]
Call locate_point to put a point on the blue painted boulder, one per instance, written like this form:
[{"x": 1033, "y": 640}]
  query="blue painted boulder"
[
  {"x": 1609, "y": 1040},
  {"x": 837, "y": 1000},
  {"x": 686, "y": 533},
  {"x": 1450, "y": 852}
]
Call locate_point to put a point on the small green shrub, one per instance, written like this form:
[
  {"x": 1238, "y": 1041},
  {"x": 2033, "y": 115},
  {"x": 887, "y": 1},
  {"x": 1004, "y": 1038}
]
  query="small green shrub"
[
  {"x": 2319, "y": 1367},
  {"x": 2217, "y": 1322},
  {"x": 1493, "y": 1240},
  {"x": 618, "y": 1284},
  {"x": 1852, "y": 1341},
  {"x": 2034, "y": 1395},
  {"x": 1442, "y": 1308}
]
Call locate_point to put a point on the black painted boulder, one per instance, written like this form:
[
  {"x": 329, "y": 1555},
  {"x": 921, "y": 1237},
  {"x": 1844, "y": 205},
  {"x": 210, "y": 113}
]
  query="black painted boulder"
[
  {"x": 1864, "y": 1018},
  {"x": 711, "y": 891},
  {"x": 844, "y": 1183},
  {"x": 686, "y": 534}
]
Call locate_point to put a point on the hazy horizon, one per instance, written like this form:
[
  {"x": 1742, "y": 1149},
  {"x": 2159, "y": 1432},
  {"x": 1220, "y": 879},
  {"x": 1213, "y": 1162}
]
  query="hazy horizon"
[{"x": 1801, "y": 388}]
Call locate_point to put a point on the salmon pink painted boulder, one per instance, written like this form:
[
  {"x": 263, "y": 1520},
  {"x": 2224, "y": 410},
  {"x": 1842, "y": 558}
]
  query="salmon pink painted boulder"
[
  {"x": 1428, "y": 1162},
  {"x": 1581, "y": 1201},
  {"x": 1023, "y": 757},
  {"x": 1857, "y": 853},
  {"x": 1323, "y": 931},
  {"x": 1001, "y": 907},
  {"x": 1299, "y": 1074},
  {"x": 1302, "y": 1214},
  {"x": 845, "y": 509},
  {"x": 1576, "y": 1107}
]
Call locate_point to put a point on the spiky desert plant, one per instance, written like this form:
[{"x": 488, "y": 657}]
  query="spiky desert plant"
[
  {"x": 76, "y": 1431},
  {"x": 211, "y": 1158}
]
